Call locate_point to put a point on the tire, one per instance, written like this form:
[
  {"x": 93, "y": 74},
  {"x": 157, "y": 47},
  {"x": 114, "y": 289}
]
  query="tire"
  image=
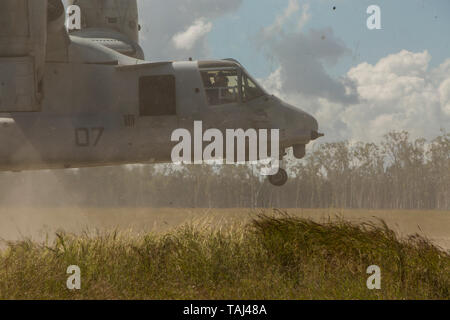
[{"x": 279, "y": 179}]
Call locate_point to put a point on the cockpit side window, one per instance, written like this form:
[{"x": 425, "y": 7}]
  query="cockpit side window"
[
  {"x": 222, "y": 86},
  {"x": 250, "y": 90}
]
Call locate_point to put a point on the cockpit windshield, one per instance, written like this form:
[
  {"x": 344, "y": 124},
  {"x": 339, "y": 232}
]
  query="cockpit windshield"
[
  {"x": 222, "y": 86},
  {"x": 250, "y": 90},
  {"x": 229, "y": 85}
]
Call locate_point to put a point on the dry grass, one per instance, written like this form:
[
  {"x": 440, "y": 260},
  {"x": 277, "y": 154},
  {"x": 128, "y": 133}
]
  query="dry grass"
[
  {"x": 276, "y": 256},
  {"x": 36, "y": 223}
]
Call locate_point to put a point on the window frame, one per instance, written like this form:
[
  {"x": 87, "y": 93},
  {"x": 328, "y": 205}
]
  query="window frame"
[
  {"x": 241, "y": 72},
  {"x": 239, "y": 84},
  {"x": 257, "y": 85}
]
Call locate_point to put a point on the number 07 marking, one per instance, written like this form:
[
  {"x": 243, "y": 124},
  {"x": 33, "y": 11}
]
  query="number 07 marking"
[{"x": 83, "y": 136}]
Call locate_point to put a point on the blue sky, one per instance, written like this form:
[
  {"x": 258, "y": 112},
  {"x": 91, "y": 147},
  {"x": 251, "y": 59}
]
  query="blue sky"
[
  {"x": 330, "y": 66},
  {"x": 414, "y": 25}
]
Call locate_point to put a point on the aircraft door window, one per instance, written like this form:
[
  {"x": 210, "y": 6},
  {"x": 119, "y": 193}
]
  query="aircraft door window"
[
  {"x": 250, "y": 90},
  {"x": 157, "y": 95},
  {"x": 222, "y": 86}
]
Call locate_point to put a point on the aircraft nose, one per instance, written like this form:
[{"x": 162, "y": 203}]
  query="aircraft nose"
[
  {"x": 313, "y": 124},
  {"x": 301, "y": 123}
]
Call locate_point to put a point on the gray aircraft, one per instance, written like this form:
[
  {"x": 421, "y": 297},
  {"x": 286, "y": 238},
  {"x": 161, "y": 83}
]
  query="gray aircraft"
[{"x": 88, "y": 98}]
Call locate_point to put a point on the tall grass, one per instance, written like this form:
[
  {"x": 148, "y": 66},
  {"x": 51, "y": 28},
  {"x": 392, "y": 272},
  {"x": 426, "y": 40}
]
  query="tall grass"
[{"x": 272, "y": 257}]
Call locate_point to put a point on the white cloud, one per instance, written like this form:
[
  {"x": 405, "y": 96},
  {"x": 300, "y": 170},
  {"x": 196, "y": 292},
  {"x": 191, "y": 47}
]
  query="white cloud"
[
  {"x": 399, "y": 92},
  {"x": 281, "y": 19},
  {"x": 304, "y": 18},
  {"x": 444, "y": 92},
  {"x": 291, "y": 12},
  {"x": 186, "y": 40},
  {"x": 302, "y": 55},
  {"x": 273, "y": 83},
  {"x": 176, "y": 29}
]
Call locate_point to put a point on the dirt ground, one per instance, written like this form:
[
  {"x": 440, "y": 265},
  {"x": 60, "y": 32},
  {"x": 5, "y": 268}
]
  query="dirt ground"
[{"x": 38, "y": 223}]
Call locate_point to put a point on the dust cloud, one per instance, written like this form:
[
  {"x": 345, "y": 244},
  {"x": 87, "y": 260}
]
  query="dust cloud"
[
  {"x": 35, "y": 205},
  {"x": 40, "y": 224}
]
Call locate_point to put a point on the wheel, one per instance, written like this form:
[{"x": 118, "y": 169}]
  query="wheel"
[{"x": 279, "y": 179}]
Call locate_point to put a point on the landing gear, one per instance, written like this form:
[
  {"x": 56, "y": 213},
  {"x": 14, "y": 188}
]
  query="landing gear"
[{"x": 279, "y": 179}]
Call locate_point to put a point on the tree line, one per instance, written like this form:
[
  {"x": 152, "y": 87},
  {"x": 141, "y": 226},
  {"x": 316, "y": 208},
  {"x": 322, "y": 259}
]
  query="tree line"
[{"x": 396, "y": 173}]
